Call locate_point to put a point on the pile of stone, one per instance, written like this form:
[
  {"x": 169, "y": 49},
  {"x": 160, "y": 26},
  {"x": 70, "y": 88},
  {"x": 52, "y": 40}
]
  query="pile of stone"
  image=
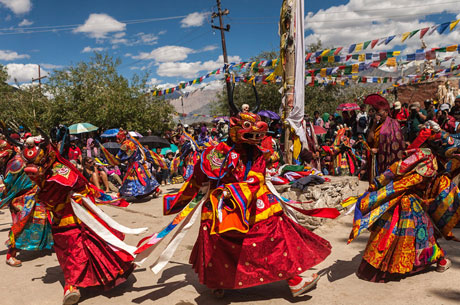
[{"x": 326, "y": 195}]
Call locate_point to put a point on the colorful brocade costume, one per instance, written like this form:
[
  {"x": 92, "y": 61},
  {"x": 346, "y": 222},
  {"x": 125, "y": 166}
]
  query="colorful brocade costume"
[
  {"x": 245, "y": 237},
  {"x": 344, "y": 161},
  {"x": 88, "y": 243},
  {"x": 138, "y": 180},
  {"x": 404, "y": 206},
  {"x": 31, "y": 229}
]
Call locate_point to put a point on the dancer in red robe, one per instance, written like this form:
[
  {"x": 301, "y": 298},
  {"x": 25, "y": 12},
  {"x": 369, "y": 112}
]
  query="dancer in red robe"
[
  {"x": 246, "y": 238},
  {"x": 87, "y": 242}
]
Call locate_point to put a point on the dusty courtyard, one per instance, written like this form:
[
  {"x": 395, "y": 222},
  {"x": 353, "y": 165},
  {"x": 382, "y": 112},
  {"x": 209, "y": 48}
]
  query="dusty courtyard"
[{"x": 40, "y": 280}]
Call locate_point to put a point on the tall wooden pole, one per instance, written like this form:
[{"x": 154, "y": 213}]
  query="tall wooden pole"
[{"x": 287, "y": 56}]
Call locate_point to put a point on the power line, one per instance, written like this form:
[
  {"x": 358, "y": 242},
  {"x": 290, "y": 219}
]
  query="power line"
[{"x": 56, "y": 28}]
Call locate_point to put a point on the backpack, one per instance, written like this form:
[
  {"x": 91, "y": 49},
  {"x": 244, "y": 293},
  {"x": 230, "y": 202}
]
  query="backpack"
[{"x": 362, "y": 122}]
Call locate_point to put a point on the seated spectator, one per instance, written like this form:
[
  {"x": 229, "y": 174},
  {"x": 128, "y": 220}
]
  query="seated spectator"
[
  {"x": 74, "y": 151},
  {"x": 446, "y": 121},
  {"x": 94, "y": 175}
]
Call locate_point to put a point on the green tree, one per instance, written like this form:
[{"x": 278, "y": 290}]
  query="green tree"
[{"x": 95, "y": 92}]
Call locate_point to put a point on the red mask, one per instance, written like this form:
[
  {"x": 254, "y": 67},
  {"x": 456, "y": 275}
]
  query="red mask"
[{"x": 247, "y": 128}]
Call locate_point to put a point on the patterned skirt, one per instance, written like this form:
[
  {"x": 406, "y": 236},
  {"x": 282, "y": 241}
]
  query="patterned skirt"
[
  {"x": 274, "y": 249},
  {"x": 402, "y": 241},
  {"x": 31, "y": 229},
  {"x": 138, "y": 182}
]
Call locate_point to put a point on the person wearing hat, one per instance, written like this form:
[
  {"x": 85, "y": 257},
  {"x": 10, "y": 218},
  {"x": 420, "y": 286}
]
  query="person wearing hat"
[
  {"x": 455, "y": 111},
  {"x": 444, "y": 119},
  {"x": 401, "y": 114},
  {"x": 384, "y": 137},
  {"x": 222, "y": 128},
  {"x": 74, "y": 151}
]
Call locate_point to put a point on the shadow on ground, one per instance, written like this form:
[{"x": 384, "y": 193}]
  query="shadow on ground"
[{"x": 163, "y": 289}]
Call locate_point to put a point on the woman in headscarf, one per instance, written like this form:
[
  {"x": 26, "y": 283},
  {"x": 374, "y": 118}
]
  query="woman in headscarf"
[
  {"x": 91, "y": 149},
  {"x": 385, "y": 138}
]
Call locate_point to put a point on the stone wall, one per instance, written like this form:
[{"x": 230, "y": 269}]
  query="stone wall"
[{"x": 326, "y": 195}]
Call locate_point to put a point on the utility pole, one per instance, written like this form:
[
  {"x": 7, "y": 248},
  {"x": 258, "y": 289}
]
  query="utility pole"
[
  {"x": 219, "y": 14},
  {"x": 39, "y": 78}
]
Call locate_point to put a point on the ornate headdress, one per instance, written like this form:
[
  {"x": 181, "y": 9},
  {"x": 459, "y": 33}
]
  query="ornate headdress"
[
  {"x": 246, "y": 127},
  {"x": 38, "y": 155}
]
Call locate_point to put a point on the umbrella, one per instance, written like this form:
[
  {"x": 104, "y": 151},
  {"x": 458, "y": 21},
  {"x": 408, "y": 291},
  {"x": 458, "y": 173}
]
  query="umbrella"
[
  {"x": 110, "y": 133},
  {"x": 269, "y": 114},
  {"x": 135, "y": 134},
  {"x": 172, "y": 147},
  {"x": 319, "y": 130},
  {"x": 348, "y": 107},
  {"x": 112, "y": 147},
  {"x": 154, "y": 142},
  {"x": 82, "y": 128},
  {"x": 217, "y": 119}
]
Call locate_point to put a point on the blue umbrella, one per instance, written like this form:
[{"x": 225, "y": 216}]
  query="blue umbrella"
[
  {"x": 269, "y": 114},
  {"x": 110, "y": 133}
]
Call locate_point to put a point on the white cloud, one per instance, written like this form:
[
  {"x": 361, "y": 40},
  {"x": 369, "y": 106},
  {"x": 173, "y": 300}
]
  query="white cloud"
[
  {"x": 11, "y": 55},
  {"x": 166, "y": 54},
  {"x": 25, "y": 22},
  {"x": 18, "y": 6},
  {"x": 209, "y": 48},
  {"x": 350, "y": 23},
  {"x": 153, "y": 82},
  {"x": 148, "y": 39},
  {"x": 99, "y": 25},
  {"x": 191, "y": 69},
  {"x": 193, "y": 19},
  {"x": 23, "y": 72},
  {"x": 170, "y": 53},
  {"x": 89, "y": 49},
  {"x": 51, "y": 66}
]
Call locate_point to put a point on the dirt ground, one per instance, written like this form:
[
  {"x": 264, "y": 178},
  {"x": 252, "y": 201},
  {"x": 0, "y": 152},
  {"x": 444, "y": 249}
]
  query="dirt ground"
[{"x": 40, "y": 280}]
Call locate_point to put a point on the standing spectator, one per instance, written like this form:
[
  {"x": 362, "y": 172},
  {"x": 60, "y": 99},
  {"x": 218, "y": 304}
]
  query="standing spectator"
[
  {"x": 417, "y": 117},
  {"x": 361, "y": 121},
  {"x": 318, "y": 120},
  {"x": 326, "y": 117},
  {"x": 446, "y": 121},
  {"x": 74, "y": 151},
  {"x": 429, "y": 108}
]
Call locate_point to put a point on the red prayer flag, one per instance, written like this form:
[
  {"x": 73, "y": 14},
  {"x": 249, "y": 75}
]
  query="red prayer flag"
[
  {"x": 374, "y": 42},
  {"x": 423, "y": 32}
]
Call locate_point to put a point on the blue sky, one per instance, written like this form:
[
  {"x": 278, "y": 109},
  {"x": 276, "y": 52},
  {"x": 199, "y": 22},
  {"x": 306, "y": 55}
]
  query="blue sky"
[{"x": 59, "y": 33}]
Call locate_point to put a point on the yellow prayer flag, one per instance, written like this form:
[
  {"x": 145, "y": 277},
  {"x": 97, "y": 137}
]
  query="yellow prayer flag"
[
  {"x": 452, "y": 48},
  {"x": 453, "y": 24},
  {"x": 404, "y": 36},
  {"x": 322, "y": 72},
  {"x": 396, "y": 53},
  {"x": 252, "y": 65},
  {"x": 330, "y": 59},
  {"x": 270, "y": 77},
  {"x": 355, "y": 68},
  {"x": 354, "y": 77},
  {"x": 391, "y": 62},
  {"x": 359, "y": 47},
  {"x": 362, "y": 57},
  {"x": 325, "y": 52}
]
